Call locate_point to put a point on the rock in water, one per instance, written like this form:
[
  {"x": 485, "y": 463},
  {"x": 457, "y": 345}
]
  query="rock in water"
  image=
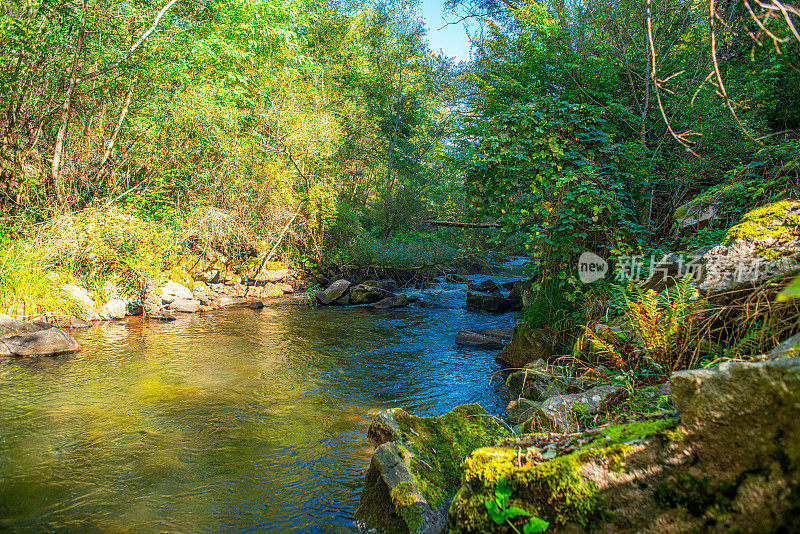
[
  {"x": 42, "y": 342},
  {"x": 363, "y": 294},
  {"x": 486, "y": 286},
  {"x": 416, "y": 468},
  {"x": 185, "y": 306},
  {"x": 334, "y": 292},
  {"x": 468, "y": 338},
  {"x": 495, "y": 302},
  {"x": 399, "y": 301},
  {"x": 114, "y": 309},
  {"x": 173, "y": 290}
]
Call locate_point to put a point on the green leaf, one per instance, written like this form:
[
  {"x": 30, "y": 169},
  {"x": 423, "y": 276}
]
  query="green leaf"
[{"x": 792, "y": 291}]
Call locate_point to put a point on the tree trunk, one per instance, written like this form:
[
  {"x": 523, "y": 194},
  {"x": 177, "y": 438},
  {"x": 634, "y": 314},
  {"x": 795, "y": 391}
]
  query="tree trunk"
[
  {"x": 55, "y": 170},
  {"x": 113, "y": 140}
]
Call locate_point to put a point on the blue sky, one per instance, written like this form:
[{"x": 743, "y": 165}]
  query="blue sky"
[{"x": 452, "y": 39}]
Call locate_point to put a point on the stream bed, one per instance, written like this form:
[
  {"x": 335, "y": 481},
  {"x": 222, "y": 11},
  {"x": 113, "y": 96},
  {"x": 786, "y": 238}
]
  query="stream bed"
[{"x": 234, "y": 421}]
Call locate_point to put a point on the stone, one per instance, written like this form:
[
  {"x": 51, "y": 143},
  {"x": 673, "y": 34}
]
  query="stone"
[
  {"x": 491, "y": 303},
  {"x": 789, "y": 347},
  {"x": 334, "y": 292},
  {"x": 764, "y": 245},
  {"x": 527, "y": 345},
  {"x": 506, "y": 334},
  {"x": 536, "y": 384},
  {"x": 363, "y": 294},
  {"x": 208, "y": 276},
  {"x": 562, "y": 412},
  {"x": 398, "y": 301},
  {"x": 114, "y": 309},
  {"x": 271, "y": 276},
  {"x": 486, "y": 286},
  {"x": 520, "y": 294},
  {"x": 456, "y": 279},
  {"x": 695, "y": 217},
  {"x": 135, "y": 308},
  {"x": 415, "y": 470},
  {"x": 160, "y": 315},
  {"x": 286, "y": 288},
  {"x": 468, "y": 338},
  {"x": 520, "y": 410},
  {"x": 173, "y": 290},
  {"x": 666, "y": 272},
  {"x": 85, "y": 302},
  {"x": 43, "y": 342},
  {"x": 10, "y": 325},
  {"x": 185, "y": 305}
]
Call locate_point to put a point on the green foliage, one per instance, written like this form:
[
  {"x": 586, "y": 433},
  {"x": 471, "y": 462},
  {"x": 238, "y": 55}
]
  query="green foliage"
[
  {"x": 661, "y": 332},
  {"x": 402, "y": 252},
  {"x": 551, "y": 171},
  {"x": 500, "y": 511}
]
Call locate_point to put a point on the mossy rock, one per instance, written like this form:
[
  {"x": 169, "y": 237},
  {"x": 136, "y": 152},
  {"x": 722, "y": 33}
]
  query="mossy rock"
[
  {"x": 774, "y": 224},
  {"x": 416, "y": 468},
  {"x": 527, "y": 345},
  {"x": 555, "y": 490}
]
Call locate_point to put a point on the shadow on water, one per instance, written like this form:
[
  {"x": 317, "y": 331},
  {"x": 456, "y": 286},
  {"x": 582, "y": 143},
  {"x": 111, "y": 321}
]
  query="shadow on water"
[{"x": 237, "y": 421}]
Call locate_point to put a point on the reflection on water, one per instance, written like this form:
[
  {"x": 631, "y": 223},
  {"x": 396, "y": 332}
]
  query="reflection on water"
[{"x": 239, "y": 421}]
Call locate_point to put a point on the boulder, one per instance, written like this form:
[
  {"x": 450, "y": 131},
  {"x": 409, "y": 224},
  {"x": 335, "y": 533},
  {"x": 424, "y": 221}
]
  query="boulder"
[
  {"x": 42, "y": 342},
  {"x": 415, "y": 469},
  {"x": 364, "y": 294},
  {"x": 456, "y": 279},
  {"x": 286, "y": 288},
  {"x": 665, "y": 273},
  {"x": 271, "y": 276},
  {"x": 506, "y": 334},
  {"x": 527, "y": 345},
  {"x": 185, "y": 305},
  {"x": 160, "y": 315},
  {"x": 9, "y": 325},
  {"x": 520, "y": 410},
  {"x": 486, "y": 286},
  {"x": 491, "y": 303},
  {"x": 765, "y": 244},
  {"x": 334, "y": 292},
  {"x": 690, "y": 218},
  {"x": 468, "y": 338},
  {"x": 789, "y": 347},
  {"x": 173, "y": 290},
  {"x": 114, "y": 309},
  {"x": 135, "y": 308},
  {"x": 536, "y": 384},
  {"x": 563, "y": 412},
  {"x": 398, "y": 301},
  {"x": 85, "y": 302},
  {"x": 519, "y": 297}
]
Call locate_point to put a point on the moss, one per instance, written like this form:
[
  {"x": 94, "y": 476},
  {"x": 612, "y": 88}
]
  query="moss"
[
  {"x": 696, "y": 494},
  {"x": 778, "y": 220},
  {"x": 404, "y": 502},
  {"x": 441, "y": 443},
  {"x": 554, "y": 490},
  {"x": 579, "y": 408}
]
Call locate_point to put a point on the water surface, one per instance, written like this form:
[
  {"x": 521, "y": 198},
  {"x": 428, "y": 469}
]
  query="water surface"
[{"x": 234, "y": 421}]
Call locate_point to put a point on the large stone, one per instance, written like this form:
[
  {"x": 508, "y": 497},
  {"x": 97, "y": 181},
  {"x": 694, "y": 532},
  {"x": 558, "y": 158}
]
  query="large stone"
[
  {"x": 526, "y": 346},
  {"x": 486, "y": 286},
  {"x": 520, "y": 410},
  {"x": 398, "y": 301},
  {"x": 520, "y": 294},
  {"x": 562, "y": 413},
  {"x": 185, "y": 306},
  {"x": 468, "y": 338},
  {"x": 271, "y": 276},
  {"x": 173, "y": 290},
  {"x": 334, "y": 292},
  {"x": 42, "y": 342},
  {"x": 764, "y": 245},
  {"x": 85, "y": 302},
  {"x": 10, "y": 325},
  {"x": 693, "y": 217},
  {"x": 535, "y": 384},
  {"x": 788, "y": 347},
  {"x": 666, "y": 272},
  {"x": 363, "y": 294},
  {"x": 495, "y": 302},
  {"x": 415, "y": 470},
  {"x": 114, "y": 309},
  {"x": 456, "y": 279}
]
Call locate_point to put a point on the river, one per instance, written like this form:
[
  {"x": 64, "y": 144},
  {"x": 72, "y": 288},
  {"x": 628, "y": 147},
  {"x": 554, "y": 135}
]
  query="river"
[{"x": 234, "y": 421}]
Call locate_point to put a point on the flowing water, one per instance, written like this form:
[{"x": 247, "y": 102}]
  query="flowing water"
[{"x": 234, "y": 421}]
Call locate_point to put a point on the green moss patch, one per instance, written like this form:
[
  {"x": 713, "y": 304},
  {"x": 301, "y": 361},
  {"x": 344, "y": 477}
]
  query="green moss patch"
[
  {"x": 441, "y": 443},
  {"x": 779, "y": 220}
]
